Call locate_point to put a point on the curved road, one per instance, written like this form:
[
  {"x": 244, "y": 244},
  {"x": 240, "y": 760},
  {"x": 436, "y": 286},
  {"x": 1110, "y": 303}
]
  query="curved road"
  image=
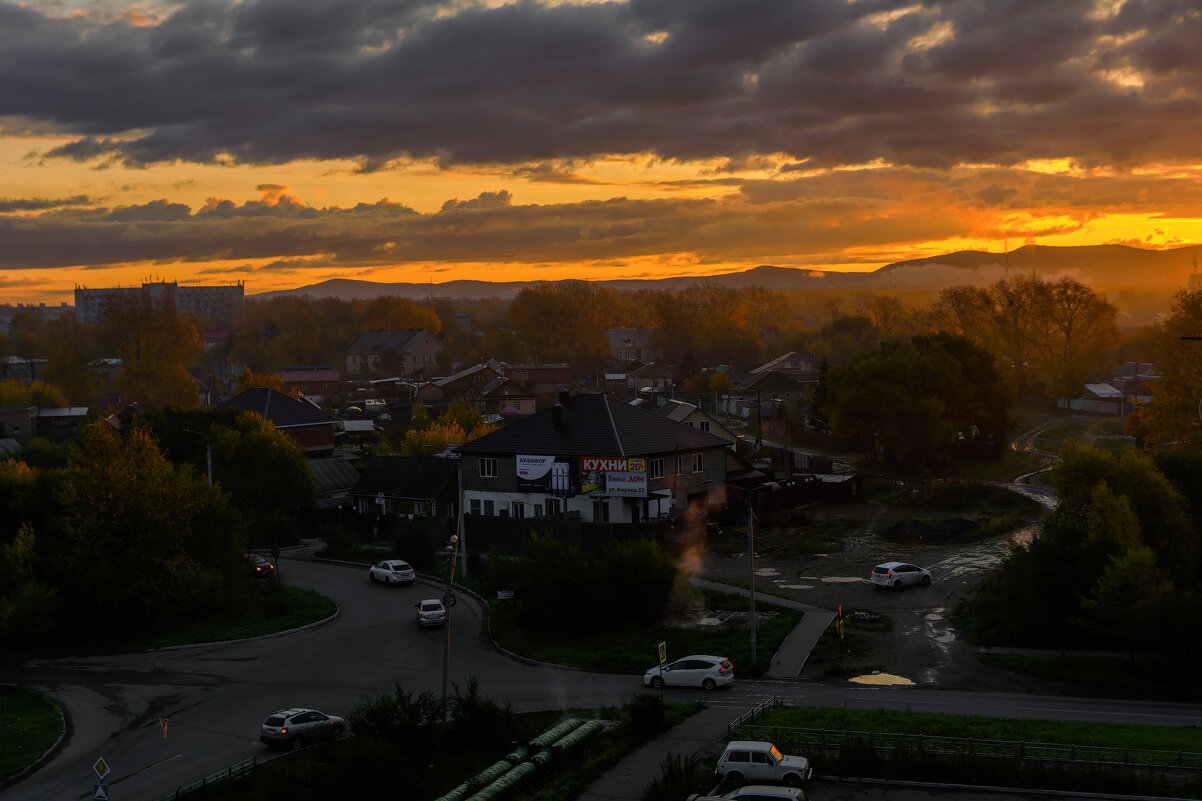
[{"x": 215, "y": 696}]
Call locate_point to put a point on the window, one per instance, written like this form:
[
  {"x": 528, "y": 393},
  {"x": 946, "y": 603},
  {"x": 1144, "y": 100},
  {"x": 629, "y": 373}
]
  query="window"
[
  {"x": 738, "y": 756},
  {"x": 488, "y": 467},
  {"x": 759, "y": 758},
  {"x": 704, "y": 425},
  {"x": 552, "y": 507},
  {"x": 518, "y": 509},
  {"x": 600, "y": 512},
  {"x": 655, "y": 468},
  {"x": 698, "y": 462},
  {"x": 488, "y": 508},
  {"x": 679, "y": 465},
  {"x": 474, "y": 506},
  {"x": 690, "y": 423}
]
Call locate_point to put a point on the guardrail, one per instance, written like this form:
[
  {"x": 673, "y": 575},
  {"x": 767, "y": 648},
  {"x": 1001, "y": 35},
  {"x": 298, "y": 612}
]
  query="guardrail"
[
  {"x": 831, "y": 741},
  {"x": 232, "y": 772},
  {"x": 750, "y": 715}
]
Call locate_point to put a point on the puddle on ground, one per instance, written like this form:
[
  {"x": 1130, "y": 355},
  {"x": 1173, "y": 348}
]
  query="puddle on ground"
[
  {"x": 796, "y": 586},
  {"x": 767, "y": 571},
  {"x": 882, "y": 679},
  {"x": 709, "y": 621},
  {"x": 843, "y": 580}
]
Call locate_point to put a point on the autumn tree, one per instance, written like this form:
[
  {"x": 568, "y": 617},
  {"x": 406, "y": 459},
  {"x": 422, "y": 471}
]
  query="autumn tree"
[
  {"x": 248, "y": 379},
  {"x": 917, "y": 402},
  {"x": 156, "y": 345},
  {"x": 1048, "y": 335},
  {"x": 392, "y": 313},
  {"x": 264, "y": 470},
  {"x": 154, "y": 541},
  {"x": 39, "y": 394},
  {"x": 564, "y": 321},
  {"x": 1175, "y": 413}
]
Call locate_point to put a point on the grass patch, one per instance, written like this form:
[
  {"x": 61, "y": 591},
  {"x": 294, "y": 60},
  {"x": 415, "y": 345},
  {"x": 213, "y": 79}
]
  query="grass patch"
[
  {"x": 1082, "y": 733},
  {"x": 1104, "y": 676},
  {"x": 29, "y": 724},
  {"x": 798, "y": 536},
  {"x": 839, "y": 654},
  {"x": 633, "y": 647},
  {"x": 269, "y": 608},
  {"x": 964, "y": 497},
  {"x": 374, "y": 767},
  {"x": 1102, "y": 432},
  {"x": 1013, "y": 463}
]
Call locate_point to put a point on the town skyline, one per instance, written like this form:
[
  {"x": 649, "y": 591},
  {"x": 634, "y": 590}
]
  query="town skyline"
[{"x": 261, "y": 142}]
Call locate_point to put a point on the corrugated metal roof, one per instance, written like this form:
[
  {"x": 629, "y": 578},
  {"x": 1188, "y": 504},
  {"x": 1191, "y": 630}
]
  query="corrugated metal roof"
[
  {"x": 281, "y": 409},
  {"x": 594, "y": 425},
  {"x": 406, "y": 477}
]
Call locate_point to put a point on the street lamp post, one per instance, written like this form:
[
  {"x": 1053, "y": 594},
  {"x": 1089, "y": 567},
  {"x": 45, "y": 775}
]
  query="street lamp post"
[{"x": 749, "y": 496}]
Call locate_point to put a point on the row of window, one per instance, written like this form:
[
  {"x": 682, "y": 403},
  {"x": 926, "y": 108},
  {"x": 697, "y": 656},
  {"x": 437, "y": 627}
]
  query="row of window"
[{"x": 655, "y": 467}]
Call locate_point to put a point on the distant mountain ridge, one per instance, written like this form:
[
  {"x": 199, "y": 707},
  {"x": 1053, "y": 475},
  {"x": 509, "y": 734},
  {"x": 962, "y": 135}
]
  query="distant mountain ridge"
[{"x": 1101, "y": 266}]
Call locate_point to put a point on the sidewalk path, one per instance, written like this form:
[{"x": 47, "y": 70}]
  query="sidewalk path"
[
  {"x": 700, "y": 735},
  {"x": 788, "y": 662}
]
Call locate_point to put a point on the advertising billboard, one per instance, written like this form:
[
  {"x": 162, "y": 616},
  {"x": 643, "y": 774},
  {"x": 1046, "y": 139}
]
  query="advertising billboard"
[
  {"x": 613, "y": 477},
  {"x": 547, "y": 474}
]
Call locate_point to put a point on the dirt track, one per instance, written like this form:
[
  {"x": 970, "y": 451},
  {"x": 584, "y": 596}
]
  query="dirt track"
[{"x": 922, "y": 646}]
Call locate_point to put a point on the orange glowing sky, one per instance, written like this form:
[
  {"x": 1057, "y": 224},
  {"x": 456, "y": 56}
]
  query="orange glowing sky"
[{"x": 283, "y": 143}]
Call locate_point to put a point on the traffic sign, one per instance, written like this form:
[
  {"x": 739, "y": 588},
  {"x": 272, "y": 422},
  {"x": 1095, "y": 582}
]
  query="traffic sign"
[
  {"x": 663, "y": 652},
  {"x": 102, "y": 768},
  {"x": 100, "y": 792}
]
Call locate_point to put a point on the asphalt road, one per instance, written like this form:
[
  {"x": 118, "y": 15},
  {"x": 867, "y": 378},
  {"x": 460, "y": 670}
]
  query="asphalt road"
[{"x": 214, "y": 697}]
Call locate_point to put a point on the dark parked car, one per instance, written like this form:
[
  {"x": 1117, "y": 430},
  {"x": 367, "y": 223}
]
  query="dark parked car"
[{"x": 259, "y": 567}]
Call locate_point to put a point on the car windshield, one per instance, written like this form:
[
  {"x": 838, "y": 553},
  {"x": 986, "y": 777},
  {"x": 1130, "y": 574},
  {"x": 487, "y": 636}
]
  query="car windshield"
[
  {"x": 431, "y": 607},
  {"x": 775, "y": 753}
]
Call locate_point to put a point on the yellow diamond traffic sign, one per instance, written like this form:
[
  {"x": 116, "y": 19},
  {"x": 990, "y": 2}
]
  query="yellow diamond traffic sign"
[{"x": 102, "y": 768}]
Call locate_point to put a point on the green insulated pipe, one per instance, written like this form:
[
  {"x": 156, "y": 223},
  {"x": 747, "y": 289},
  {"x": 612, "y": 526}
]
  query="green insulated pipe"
[
  {"x": 504, "y": 783},
  {"x": 543, "y": 757},
  {"x": 575, "y": 738},
  {"x": 518, "y": 754},
  {"x": 484, "y": 777},
  {"x": 555, "y": 732}
]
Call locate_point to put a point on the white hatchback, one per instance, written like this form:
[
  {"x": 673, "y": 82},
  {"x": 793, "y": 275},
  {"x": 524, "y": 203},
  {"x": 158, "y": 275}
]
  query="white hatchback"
[
  {"x": 898, "y": 575},
  {"x": 699, "y": 670}
]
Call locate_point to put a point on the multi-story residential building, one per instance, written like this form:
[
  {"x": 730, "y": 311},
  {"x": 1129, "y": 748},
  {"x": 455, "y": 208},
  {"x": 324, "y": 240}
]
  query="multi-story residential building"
[{"x": 222, "y": 303}]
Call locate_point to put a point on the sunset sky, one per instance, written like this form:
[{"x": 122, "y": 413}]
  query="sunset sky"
[{"x": 285, "y": 142}]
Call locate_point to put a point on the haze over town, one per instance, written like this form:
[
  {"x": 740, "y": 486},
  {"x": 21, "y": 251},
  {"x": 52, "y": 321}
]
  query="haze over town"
[{"x": 284, "y": 144}]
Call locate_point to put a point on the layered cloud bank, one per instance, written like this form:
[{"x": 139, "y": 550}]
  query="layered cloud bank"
[{"x": 620, "y": 138}]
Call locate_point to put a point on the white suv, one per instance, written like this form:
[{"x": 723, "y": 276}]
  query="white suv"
[{"x": 760, "y": 762}]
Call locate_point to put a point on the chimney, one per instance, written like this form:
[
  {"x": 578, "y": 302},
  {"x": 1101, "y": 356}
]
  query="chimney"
[
  {"x": 563, "y": 397},
  {"x": 557, "y": 416}
]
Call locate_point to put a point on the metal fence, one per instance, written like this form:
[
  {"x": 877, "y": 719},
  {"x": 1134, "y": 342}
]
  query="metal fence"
[
  {"x": 232, "y": 772},
  {"x": 832, "y": 742}
]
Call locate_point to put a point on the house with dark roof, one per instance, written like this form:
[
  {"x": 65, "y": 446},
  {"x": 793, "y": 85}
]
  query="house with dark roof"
[
  {"x": 502, "y": 396},
  {"x": 633, "y": 343},
  {"x": 457, "y": 385},
  {"x": 318, "y": 382},
  {"x": 596, "y": 459},
  {"x": 396, "y": 352},
  {"x": 408, "y": 486},
  {"x": 695, "y": 417},
  {"x": 796, "y": 365},
  {"x": 540, "y": 378},
  {"x": 764, "y": 393},
  {"x": 299, "y": 419},
  {"x": 650, "y": 378}
]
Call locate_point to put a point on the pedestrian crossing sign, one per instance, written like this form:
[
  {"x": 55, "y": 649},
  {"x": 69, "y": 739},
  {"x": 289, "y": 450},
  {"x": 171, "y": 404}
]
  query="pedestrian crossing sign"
[{"x": 663, "y": 652}]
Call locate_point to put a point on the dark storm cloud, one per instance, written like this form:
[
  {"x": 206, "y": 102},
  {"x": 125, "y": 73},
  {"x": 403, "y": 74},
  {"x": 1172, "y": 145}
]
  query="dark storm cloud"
[
  {"x": 268, "y": 81},
  {"x": 10, "y": 205}
]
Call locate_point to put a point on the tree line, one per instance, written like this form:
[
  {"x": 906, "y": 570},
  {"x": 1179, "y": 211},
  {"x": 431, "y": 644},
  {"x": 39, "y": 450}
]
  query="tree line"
[
  {"x": 1045, "y": 335},
  {"x": 120, "y": 526}
]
